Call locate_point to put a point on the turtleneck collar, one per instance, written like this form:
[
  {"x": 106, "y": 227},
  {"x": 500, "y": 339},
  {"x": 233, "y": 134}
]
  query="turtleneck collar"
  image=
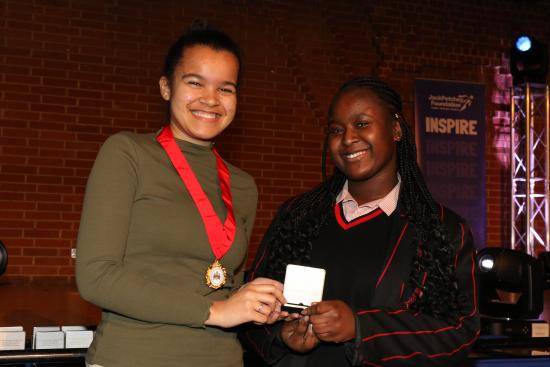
[{"x": 188, "y": 146}]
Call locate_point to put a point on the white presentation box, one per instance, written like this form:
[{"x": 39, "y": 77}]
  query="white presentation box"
[
  {"x": 48, "y": 337},
  {"x": 77, "y": 337},
  {"x": 73, "y": 328},
  {"x": 11, "y": 328},
  {"x": 303, "y": 286},
  {"x": 12, "y": 338}
]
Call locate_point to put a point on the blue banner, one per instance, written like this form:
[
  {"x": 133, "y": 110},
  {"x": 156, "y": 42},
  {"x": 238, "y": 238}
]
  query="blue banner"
[{"x": 450, "y": 136}]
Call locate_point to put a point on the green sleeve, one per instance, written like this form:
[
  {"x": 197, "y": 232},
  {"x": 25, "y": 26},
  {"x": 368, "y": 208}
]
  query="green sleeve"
[
  {"x": 102, "y": 276},
  {"x": 248, "y": 227}
]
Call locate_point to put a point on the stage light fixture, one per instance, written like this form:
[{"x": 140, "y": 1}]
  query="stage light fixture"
[
  {"x": 511, "y": 284},
  {"x": 544, "y": 258},
  {"x": 3, "y": 258},
  {"x": 528, "y": 60},
  {"x": 523, "y": 43},
  {"x": 486, "y": 263}
]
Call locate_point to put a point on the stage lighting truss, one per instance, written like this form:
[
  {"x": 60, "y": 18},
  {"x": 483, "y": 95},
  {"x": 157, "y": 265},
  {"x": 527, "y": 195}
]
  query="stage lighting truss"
[{"x": 530, "y": 141}]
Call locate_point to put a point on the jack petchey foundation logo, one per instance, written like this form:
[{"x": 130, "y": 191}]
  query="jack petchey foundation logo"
[
  {"x": 451, "y": 125},
  {"x": 451, "y": 103}
]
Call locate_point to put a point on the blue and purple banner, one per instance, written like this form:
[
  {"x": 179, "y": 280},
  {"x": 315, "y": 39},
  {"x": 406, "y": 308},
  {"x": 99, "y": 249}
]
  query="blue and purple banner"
[{"x": 450, "y": 136}]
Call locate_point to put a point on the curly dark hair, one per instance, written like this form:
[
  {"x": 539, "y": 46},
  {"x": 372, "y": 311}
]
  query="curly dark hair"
[{"x": 302, "y": 217}]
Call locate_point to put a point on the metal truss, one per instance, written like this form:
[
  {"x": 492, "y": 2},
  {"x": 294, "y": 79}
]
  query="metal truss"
[{"x": 530, "y": 170}]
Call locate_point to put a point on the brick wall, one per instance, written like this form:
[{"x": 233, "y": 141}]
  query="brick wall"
[{"x": 74, "y": 72}]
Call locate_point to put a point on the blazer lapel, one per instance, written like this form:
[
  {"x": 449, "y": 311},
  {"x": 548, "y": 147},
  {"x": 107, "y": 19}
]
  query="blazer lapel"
[{"x": 397, "y": 265}]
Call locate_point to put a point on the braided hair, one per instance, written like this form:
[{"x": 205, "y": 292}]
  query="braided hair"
[{"x": 301, "y": 218}]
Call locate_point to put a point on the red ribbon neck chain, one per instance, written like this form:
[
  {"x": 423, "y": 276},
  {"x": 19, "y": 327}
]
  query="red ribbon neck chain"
[{"x": 220, "y": 236}]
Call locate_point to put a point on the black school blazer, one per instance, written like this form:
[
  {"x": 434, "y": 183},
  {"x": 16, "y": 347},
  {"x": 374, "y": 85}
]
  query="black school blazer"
[{"x": 388, "y": 333}]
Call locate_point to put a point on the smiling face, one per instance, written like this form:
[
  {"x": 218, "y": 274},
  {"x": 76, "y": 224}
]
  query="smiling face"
[
  {"x": 202, "y": 93},
  {"x": 363, "y": 139}
]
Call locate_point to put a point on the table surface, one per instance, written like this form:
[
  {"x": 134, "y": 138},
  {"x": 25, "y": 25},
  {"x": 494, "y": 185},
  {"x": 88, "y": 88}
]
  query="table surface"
[{"x": 30, "y": 305}]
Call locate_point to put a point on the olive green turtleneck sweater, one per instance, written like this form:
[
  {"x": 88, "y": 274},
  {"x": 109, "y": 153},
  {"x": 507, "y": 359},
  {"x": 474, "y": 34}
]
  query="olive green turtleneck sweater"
[{"x": 142, "y": 253}]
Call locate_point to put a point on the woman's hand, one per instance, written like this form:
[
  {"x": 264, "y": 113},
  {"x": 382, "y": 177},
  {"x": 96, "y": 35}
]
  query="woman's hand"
[
  {"x": 258, "y": 301},
  {"x": 276, "y": 315},
  {"x": 298, "y": 335},
  {"x": 333, "y": 321}
]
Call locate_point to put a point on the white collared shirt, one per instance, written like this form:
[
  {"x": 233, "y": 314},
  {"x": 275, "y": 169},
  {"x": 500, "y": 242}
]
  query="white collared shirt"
[{"x": 351, "y": 210}]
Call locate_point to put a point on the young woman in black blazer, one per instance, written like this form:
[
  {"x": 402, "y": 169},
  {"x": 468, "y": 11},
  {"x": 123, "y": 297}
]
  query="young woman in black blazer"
[{"x": 400, "y": 283}]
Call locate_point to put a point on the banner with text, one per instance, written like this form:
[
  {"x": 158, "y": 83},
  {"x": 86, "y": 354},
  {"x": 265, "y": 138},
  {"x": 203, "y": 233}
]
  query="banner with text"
[{"x": 450, "y": 136}]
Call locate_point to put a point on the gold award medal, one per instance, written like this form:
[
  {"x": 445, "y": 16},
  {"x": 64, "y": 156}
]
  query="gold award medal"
[{"x": 216, "y": 275}]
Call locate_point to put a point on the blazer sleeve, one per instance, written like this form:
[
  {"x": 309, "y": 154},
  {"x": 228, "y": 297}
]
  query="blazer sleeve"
[
  {"x": 401, "y": 337},
  {"x": 264, "y": 340},
  {"x": 102, "y": 275}
]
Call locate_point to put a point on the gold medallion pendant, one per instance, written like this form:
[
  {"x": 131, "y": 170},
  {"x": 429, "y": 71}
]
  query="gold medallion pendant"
[{"x": 216, "y": 275}]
